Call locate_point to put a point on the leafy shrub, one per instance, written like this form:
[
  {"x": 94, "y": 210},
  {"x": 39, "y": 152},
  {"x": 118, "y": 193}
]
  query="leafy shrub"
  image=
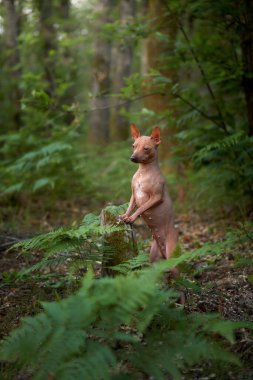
[{"x": 40, "y": 159}]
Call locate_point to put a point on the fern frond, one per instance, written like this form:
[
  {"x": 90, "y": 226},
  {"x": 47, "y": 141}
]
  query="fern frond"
[
  {"x": 83, "y": 368},
  {"x": 135, "y": 263},
  {"x": 24, "y": 343},
  {"x": 66, "y": 240},
  {"x": 222, "y": 145}
]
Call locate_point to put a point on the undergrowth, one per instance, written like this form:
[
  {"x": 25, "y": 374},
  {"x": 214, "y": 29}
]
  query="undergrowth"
[
  {"x": 122, "y": 327},
  {"x": 114, "y": 329},
  {"x": 74, "y": 246}
]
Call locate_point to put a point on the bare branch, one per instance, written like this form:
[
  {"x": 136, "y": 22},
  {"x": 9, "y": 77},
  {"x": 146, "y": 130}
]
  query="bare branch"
[
  {"x": 120, "y": 104},
  {"x": 208, "y": 86},
  {"x": 202, "y": 113}
]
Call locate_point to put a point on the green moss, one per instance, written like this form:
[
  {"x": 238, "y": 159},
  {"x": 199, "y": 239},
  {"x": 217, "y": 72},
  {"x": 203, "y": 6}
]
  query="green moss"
[{"x": 119, "y": 246}]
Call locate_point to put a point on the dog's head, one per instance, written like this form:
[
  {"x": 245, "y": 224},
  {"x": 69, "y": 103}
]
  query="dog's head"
[{"x": 144, "y": 147}]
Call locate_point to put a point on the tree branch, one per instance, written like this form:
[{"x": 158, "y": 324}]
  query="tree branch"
[
  {"x": 208, "y": 86},
  {"x": 124, "y": 102},
  {"x": 193, "y": 107}
]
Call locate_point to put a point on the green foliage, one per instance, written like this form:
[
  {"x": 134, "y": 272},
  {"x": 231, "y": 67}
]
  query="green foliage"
[
  {"x": 39, "y": 150},
  {"x": 116, "y": 327},
  {"x": 231, "y": 157},
  {"x": 73, "y": 246},
  {"x": 137, "y": 263},
  {"x": 108, "y": 172},
  {"x": 237, "y": 243},
  {"x": 45, "y": 153},
  {"x": 206, "y": 101},
  {"x": 181, "y": 257}
]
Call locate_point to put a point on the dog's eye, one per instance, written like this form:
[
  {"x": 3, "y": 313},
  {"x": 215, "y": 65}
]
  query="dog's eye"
[
  {"x": 146, "y": 148},
  {"x": 133, "y": 145}
]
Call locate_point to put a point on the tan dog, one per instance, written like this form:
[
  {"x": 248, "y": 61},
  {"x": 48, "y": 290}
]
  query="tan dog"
[{"x": 150, "y": 196}]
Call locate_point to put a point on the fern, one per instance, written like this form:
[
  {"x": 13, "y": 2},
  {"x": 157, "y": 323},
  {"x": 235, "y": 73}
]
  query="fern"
[
  {"x": 223, "y": 144},
  {"x": 47, "y": 150},
  {"x": 138, "y": 262},
  {"x": 72, "y": 245},
  {"x": 64, "y": 238},
  {"x": 182, "y": 258},
  {"x": 112, "y": 321},
  {"x": 226, "y": 171}
]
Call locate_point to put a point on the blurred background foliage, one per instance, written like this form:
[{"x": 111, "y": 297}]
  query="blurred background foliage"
[{"x": 75, "y": 73}]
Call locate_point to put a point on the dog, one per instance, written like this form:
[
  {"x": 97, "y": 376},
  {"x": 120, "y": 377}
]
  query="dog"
[{"x": 150, "y": 197}]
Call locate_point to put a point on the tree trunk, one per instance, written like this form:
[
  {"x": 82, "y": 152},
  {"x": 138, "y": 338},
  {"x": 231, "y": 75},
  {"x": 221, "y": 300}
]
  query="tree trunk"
[
  {"x": 13, "y": 58},
  {"x": 68, "y": 59},
  {"x": 49, "y": 45},
  {"x": 122, "y": 68},
  {"x": 154, "y": 49},
  {"x": 101, "y": 86},
  {"x": 247, "y": 58},
  {"x": 64, "y": 10}
]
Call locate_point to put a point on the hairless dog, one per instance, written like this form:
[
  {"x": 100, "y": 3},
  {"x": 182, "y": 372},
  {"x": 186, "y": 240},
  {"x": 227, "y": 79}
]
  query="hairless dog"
[{"x": 150, "y": 196}]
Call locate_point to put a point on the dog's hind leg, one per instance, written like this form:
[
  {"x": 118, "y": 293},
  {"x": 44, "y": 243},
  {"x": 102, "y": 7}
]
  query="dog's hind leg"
[
  {"x": 155, "y": 253},
  {"x": 171, "y": 241},
  {"x": 171, "y": 244}
]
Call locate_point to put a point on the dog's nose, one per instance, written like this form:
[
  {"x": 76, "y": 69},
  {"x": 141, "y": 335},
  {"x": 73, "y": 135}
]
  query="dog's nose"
[{"x": 133, "y": 158}]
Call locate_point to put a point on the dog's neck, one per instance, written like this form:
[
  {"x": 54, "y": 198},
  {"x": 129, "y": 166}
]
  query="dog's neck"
[{"x": 153, "y": 165}]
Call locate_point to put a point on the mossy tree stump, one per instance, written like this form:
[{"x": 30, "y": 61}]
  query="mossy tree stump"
[{"x": 119, "y": 246}]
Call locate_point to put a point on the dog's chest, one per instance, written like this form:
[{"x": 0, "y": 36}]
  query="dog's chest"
[
  {"x": 142, "y": 189},
  {"x": 139, "y": 191}
]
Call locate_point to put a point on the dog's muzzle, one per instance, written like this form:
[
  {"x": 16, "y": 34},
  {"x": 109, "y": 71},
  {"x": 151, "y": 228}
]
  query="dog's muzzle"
[{"x": 133, "y": 158}]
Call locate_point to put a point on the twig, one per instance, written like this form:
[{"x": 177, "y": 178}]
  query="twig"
[
  {"x": 222, "y": 124},
  {"x": 193, "y": 107},
  {"x": 9, "y": 237},
  {"x": 123, "y": 103},
  {"x": 5, "y": 245}
]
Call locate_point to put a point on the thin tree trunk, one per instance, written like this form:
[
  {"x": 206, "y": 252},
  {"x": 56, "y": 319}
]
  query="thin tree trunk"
[
  {"x": 99, "y": 131},
  {"x": 48, "y": 38},
  {"x": 122, "y": 68},
  {"x": 68, "y": 57},
  {"x": 247, "y": 58},
  {"x": 154, "y": 49},
  {"x": 64, "y": 10},
  {"x": 13, "y": 57}
]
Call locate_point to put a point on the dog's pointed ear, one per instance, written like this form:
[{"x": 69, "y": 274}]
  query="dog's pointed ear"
[
  {"x": 134, "y": 131},
  {"x": 155, "y": 135}
]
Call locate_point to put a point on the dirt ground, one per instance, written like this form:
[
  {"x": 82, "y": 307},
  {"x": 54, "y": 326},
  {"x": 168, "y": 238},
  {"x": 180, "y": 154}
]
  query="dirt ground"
[{"x": 223, "y": 286}]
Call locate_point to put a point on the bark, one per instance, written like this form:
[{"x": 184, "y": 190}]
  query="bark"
[
  {"x": 68, "y": 57},
  {"x": 48, "y": 38},
  {"x": 247, "y": 58},
  {"x": 13, "y": 57},
  {"x": 101, "y": 86},
  {"x": 154, "y": 49},
  {"x": 122, "y": 68},
  {"x": 64, "y": 9}
]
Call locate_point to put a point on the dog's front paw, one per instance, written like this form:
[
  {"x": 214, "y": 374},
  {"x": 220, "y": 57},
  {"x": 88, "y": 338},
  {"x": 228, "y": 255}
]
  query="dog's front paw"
[
  {"x": 123, "y": 217},
  {"x": 130, "y": 219}
]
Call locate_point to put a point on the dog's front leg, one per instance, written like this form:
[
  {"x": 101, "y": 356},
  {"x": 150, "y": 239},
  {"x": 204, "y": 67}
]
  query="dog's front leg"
[
  {"x": 131, "y": 207},
  {"x": 153, "y": 201},
  {"x": 155, "y": 198}
]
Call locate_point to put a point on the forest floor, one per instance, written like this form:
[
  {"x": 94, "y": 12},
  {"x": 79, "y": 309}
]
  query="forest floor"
[{"x": 221, "y": 284}]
